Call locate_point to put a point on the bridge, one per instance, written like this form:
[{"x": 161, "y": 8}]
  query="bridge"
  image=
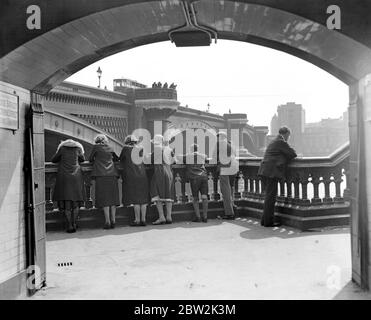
[
  {"x": 40, "y": 47},
  {"x": 60, "y": 126}
]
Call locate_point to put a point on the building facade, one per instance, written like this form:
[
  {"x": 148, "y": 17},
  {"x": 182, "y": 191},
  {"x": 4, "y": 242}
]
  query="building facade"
[
  {"x": 291, "y": 115},
  {"x": 310, "y": 139},
  {"x": 133, "y": 105}
]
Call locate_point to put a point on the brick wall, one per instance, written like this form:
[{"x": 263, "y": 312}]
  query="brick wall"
[{"x": 12, "y": 226}]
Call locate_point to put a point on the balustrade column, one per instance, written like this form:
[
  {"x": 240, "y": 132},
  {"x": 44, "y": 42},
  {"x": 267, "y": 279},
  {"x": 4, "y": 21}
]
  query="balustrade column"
[
  {"x": 49, "y": 205},
  {"x": 289, "y": 192},
  {"x": 304, "y": 192},
  {"x": 327, "y": 181},
  {"x": 245, "y": 193},
  {"x": 316, "y": 198},
  {"x": 296, "y": 182},
  {"x": 257, "y": 187},
  {"x": 346, "y": 194},
  {"x": 338, "y": 180},
  {"x": 237, "y": 193},
  {"x": 50, "y": 179},
  {"x": 251, "y": 187},
  {"x": 281, "y": 197}
]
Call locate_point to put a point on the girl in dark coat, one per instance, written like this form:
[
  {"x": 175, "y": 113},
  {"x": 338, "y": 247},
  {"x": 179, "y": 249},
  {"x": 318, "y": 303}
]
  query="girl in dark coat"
[
  {"x": 134, "y": 181},
  {"x": 162, "y": 182},
  {"x": 69, "y": 191},
  {"x": 105, "y": 174}
]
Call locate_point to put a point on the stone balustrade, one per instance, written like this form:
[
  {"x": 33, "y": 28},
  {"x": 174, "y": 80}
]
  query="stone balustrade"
[{"x": 315, "y": 193}]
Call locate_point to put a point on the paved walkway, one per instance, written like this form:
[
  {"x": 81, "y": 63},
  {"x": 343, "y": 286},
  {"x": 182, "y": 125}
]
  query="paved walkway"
[{"x": 218, "y": 260}]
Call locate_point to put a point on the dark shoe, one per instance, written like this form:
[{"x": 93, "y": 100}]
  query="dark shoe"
[
  {"x": 204, "y": 219},
  {"x": 157, "y": 222},
  {"x": 113, "y": 225},
  {"x": 196, "y": 219},
  {"x": 142, "y": 224},
  {"x": 71, "y": 230},
  {"x": 276, "y": 224},
  {"x": 168, "y": 221},
  {"x": 107, "y": 226},
  {"x": 135, "y": 224},
  {"x": 229, "y": 217}
]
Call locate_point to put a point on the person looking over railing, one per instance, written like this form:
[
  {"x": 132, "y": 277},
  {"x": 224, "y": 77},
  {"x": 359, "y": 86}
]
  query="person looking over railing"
[
  {"x": 69, "y": 186},
  {"x": 162, "y": 182},
  {"x": 106, "y": 179},
  {"x": 227, "y": 166},
  {"x": 197, "y": 176},
  {"x": 272, "y": 169},
  {"x": 135, "y": 189}
]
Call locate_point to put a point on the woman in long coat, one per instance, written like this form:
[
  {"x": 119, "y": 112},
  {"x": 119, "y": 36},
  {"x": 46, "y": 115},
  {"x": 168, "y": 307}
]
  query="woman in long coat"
[
  {"x": 105, "y": 174},
  {"x": 162, "y": 182},
  {"x": 69, "y": 190},
  {"x": 134, "y": 180}
]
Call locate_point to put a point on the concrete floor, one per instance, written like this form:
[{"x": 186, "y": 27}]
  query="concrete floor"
[{"x": 218, "y": 260}]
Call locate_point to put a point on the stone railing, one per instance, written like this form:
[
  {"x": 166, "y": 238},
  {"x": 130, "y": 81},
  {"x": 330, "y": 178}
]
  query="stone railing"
[
  {"x": 309, "y": 181},
  {"x": 315, "y": 193}
]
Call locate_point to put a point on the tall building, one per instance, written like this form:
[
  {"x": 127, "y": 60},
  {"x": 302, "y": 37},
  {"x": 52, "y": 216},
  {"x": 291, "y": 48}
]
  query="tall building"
[
  {"x": 291, "y": 115},
  {"x": 310, "y": 139}
]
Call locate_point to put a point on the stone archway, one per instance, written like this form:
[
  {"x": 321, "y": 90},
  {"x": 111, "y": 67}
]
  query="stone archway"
[{"x": 37, "y": 60}]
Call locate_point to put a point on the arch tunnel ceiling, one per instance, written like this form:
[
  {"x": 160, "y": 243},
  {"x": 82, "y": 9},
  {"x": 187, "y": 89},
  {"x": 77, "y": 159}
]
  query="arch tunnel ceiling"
[{"x": 75, "y": 34}]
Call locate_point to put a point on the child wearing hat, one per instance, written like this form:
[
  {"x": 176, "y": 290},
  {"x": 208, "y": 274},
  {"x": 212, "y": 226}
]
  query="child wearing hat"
[
  {"x": 134, "y": 181},
  {"x": 162, "y": 182}
]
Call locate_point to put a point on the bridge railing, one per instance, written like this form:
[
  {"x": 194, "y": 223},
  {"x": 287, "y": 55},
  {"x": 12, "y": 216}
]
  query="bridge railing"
[{"x": 315, "y": 189}]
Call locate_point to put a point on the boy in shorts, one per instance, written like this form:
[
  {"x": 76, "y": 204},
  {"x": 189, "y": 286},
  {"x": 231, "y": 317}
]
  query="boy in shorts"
[{"x": 197, "y": 176}]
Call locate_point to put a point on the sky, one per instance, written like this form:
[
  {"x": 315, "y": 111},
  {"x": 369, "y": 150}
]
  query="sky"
[{"x": 239, "y": 76}]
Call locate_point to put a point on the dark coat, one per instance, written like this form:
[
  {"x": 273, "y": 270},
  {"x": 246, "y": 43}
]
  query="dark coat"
[
  {"x": 135, "y": 186},
  {"x": 69, "y": 183},
  {"x": 276, "y": 158},
  {"x": 102, "y": 156}
]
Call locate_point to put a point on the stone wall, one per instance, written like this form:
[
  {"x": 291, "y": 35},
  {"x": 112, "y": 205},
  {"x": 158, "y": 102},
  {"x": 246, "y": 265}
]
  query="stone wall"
[{"x": 12, "y": 231}]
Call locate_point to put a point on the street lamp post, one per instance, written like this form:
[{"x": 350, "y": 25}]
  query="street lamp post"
[{"x": 99, "y": 73}]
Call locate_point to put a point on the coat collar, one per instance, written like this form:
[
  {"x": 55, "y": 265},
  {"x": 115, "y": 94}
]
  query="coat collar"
[{"x": 71, "y": 143}]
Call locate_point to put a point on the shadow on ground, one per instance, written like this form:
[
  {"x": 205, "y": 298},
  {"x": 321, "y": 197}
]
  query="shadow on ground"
[{"x": 254, "y": 231}]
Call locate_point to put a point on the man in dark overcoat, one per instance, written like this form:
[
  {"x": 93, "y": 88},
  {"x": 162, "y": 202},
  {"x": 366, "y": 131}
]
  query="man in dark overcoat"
[{"x": 272, "y": 169}]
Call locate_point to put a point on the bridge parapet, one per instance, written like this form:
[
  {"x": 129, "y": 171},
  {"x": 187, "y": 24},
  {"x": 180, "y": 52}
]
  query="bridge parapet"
[
  {"x": 315, "y": 194},
  {"x": 73, "y": 127},
  {"x": 156, "y": 93}
]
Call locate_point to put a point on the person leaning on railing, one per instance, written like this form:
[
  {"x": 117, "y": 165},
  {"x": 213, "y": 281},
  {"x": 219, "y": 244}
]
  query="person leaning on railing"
[
  {"x": 106, "y": 179},
  {"x": 228, "y": 166},
  {"x": 135, "y": 189},
  {"x": 162, "y": 181},
  {"x": 69, "y": 186},
  {"x": 196, "y": 174},
  {"x": 273, "y": 168}
]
